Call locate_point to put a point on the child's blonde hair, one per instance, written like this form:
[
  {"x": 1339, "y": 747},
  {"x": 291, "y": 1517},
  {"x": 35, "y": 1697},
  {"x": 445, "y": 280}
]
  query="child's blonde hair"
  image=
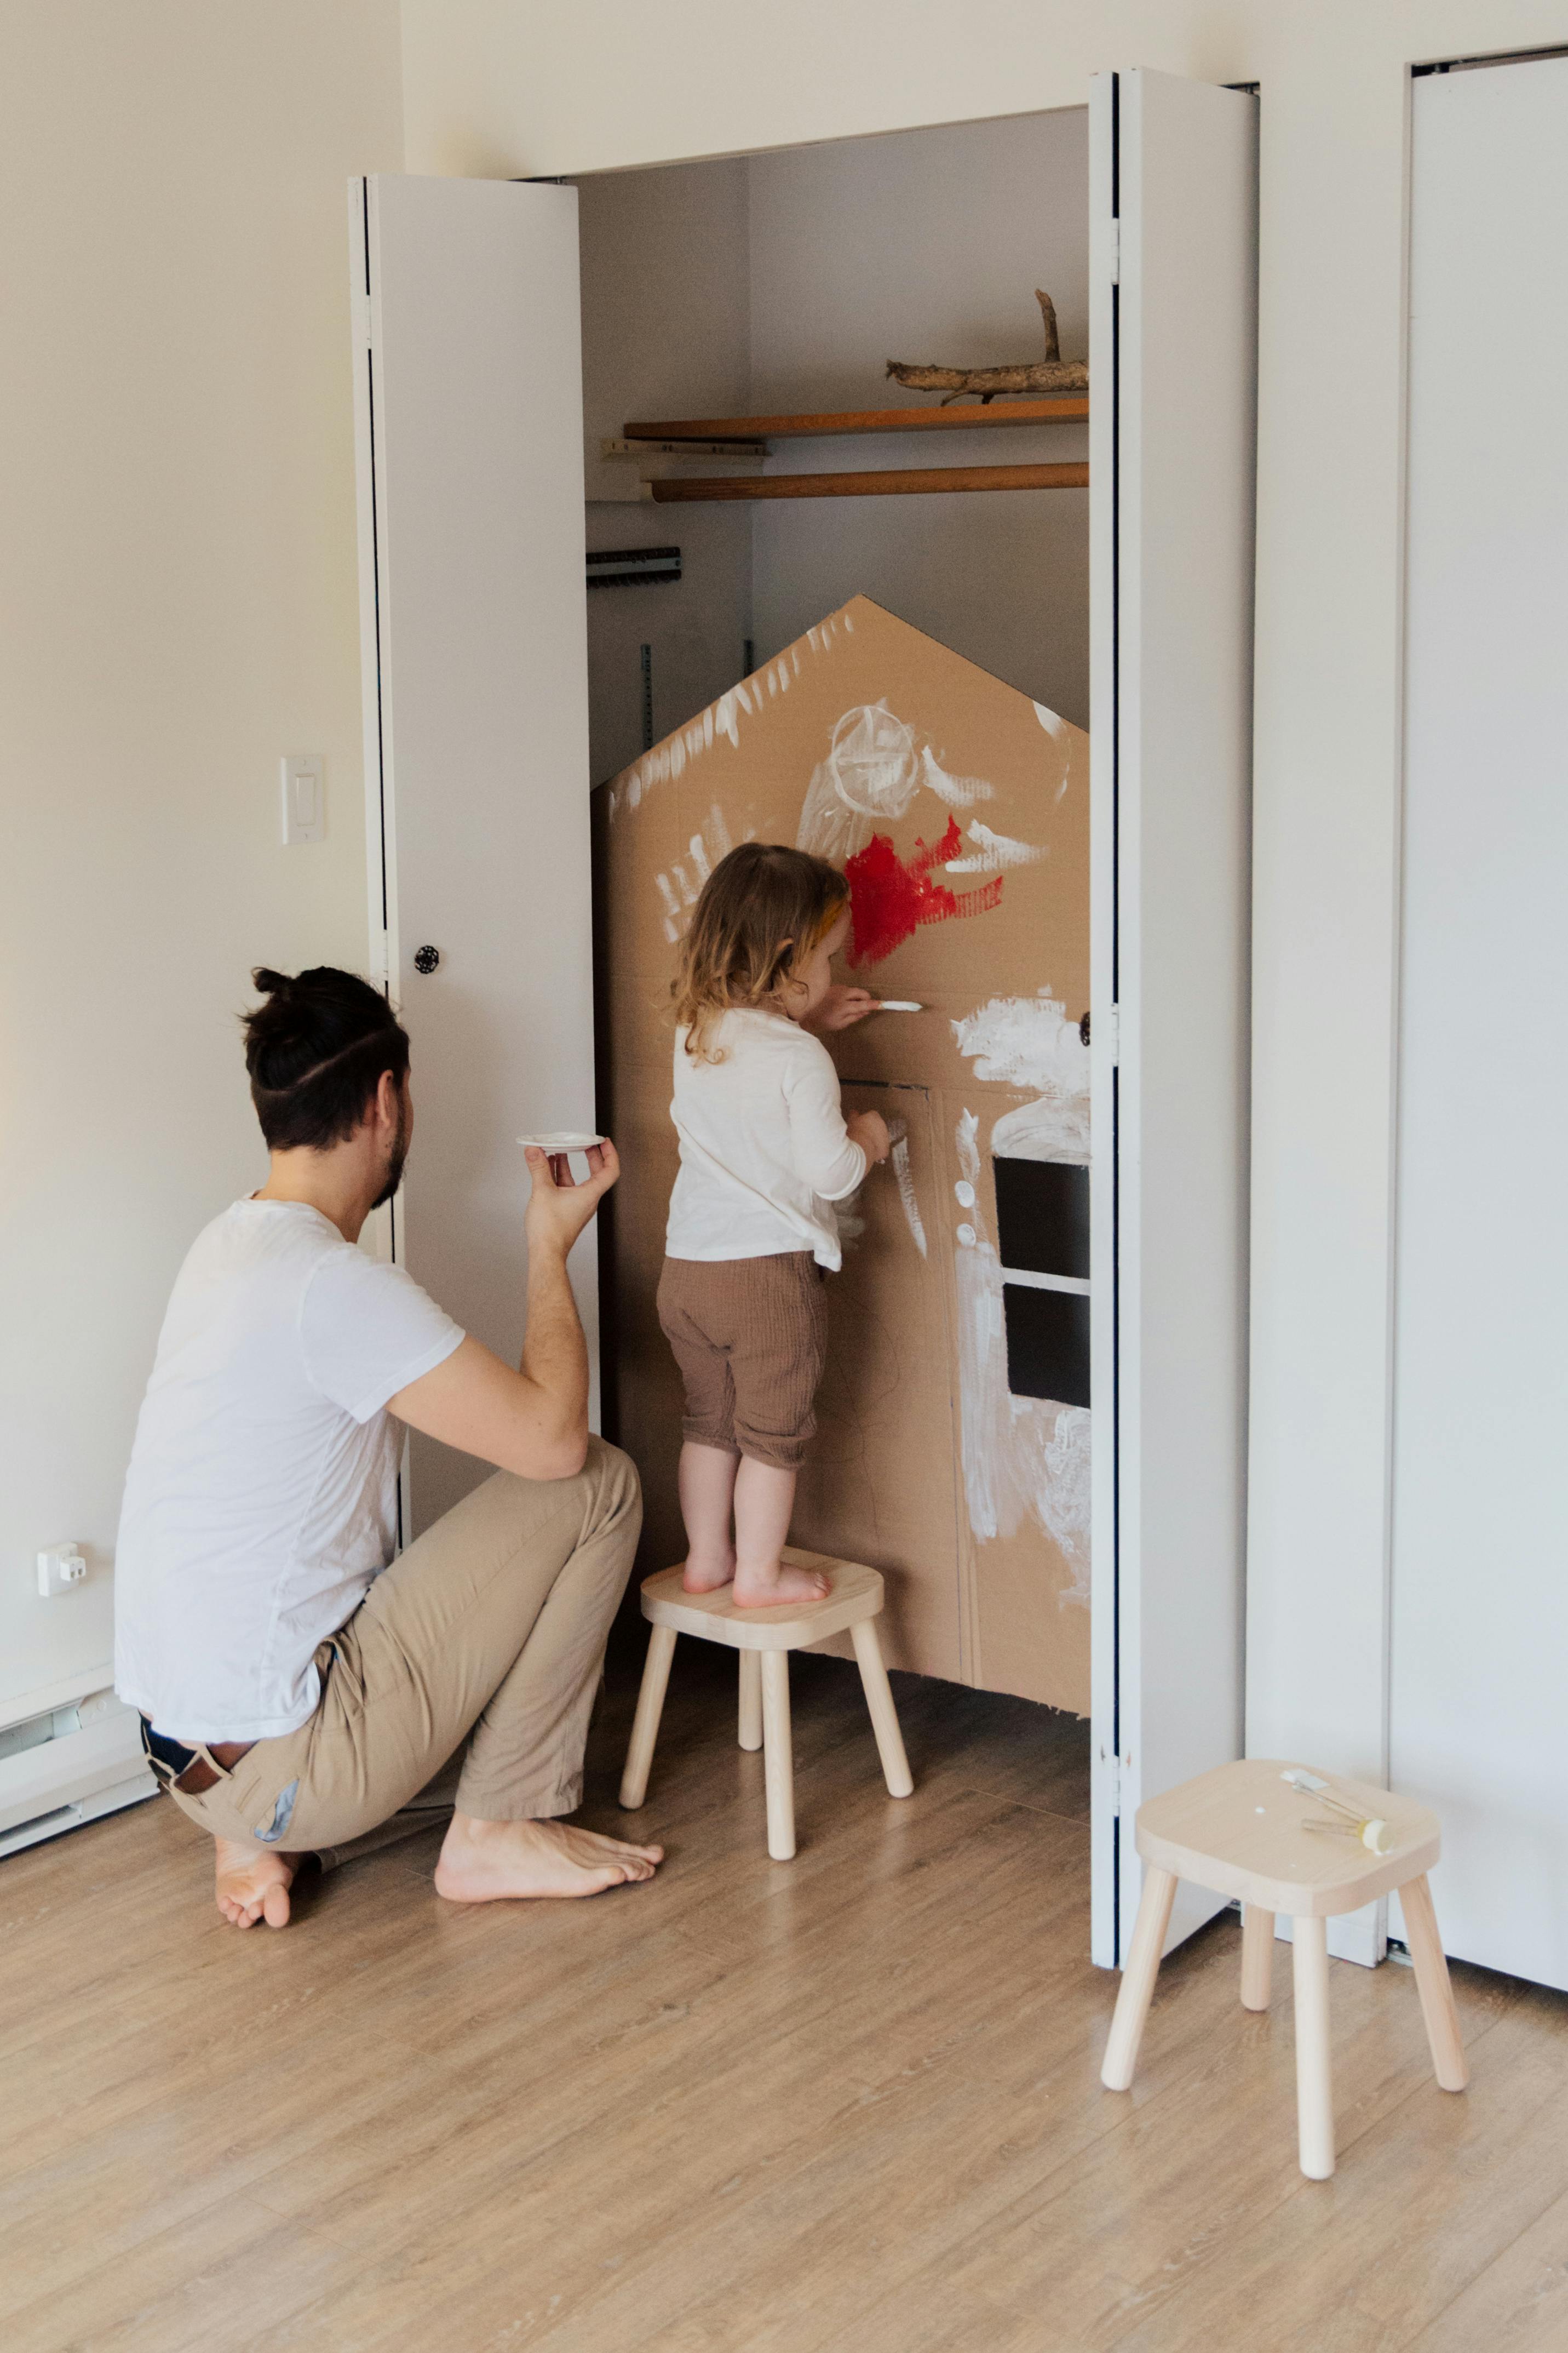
[{"x": 762, "y": 911}]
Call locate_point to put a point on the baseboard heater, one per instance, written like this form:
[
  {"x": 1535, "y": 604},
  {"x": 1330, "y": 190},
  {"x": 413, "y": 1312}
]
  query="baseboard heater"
[{"x": 66, "y": 1766}]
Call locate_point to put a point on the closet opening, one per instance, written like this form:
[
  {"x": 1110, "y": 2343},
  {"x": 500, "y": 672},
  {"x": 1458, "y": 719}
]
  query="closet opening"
[{"x": 837, "y": 608}]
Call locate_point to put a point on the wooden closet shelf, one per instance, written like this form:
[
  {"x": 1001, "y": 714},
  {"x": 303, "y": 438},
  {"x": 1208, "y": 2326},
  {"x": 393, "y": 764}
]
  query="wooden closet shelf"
[
  {"x": 895, "y": 483},
  {"x": 861, "y": 420}
]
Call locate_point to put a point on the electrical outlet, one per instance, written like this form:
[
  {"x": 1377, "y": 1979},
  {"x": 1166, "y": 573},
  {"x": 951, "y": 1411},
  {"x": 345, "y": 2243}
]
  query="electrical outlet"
[{"x": 61, "y": 1565}]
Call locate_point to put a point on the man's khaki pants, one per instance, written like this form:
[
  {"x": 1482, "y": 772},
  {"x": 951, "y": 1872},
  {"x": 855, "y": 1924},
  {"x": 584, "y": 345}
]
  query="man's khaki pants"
[{"x": 490, "y": 1628}]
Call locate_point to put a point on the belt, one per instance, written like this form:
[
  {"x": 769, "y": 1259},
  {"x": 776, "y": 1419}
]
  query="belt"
[{"x": 186, "y": 1768}]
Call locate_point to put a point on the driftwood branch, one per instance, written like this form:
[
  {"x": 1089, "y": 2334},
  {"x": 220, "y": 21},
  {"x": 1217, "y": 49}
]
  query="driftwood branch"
[{"x": 1053, "y": 373}]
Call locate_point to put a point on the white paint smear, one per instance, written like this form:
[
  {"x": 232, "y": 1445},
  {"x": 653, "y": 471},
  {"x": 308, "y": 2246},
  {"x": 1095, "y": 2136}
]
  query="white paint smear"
[
  {"x": 958, "y": 792},
  {"x": 671, "y": 759},
  {"x": 993, "y": 852},
  {"x": 904, "y": 1176},
  {"x": 1028, "y": 1041},
  {"x": 873, "y": 770},
  {"x": 1057, "y": 729},
  {"x": 680, "y": 888},
  {"x": 968, "y": 1141},
  {"x": 1022, "y": 1457}
]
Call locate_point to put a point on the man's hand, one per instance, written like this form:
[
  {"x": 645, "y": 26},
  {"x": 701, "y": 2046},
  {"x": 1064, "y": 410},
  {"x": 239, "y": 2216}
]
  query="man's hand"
[
  {"x": 868, "y": 1129},
  {"x": 533, "y": 1421},
  {"x": 558, "y": 1207},
  {"x": 841, "y": 1008}
]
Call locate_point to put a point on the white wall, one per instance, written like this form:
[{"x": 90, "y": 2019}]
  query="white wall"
[
  {"x": 494, "y": 86},
  {"x": 666, "y": 322},
  {"x": 926, "y": 246},
  {"x": 181, "y": 607}
]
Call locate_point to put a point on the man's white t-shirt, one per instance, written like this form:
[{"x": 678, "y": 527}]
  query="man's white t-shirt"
[
  {"x": 764, "y": 1152},
  {"x": 262, "y": 1494}
]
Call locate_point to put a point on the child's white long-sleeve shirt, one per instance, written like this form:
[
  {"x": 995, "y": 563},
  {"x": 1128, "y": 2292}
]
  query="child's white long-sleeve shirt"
[{"x": 764, "y": 1152}]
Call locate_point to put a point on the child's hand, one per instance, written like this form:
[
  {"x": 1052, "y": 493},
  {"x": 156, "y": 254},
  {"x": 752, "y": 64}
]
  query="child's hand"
[
  {"x": 868, "y": 1129},
  {"x": 840, "y": 1007}
]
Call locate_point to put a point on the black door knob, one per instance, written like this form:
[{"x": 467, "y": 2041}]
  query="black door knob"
[{"x": 426, "y": 959}]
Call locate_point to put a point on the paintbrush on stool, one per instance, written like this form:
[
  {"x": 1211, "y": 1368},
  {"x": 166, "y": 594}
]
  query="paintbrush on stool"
[{"x": 1371, "y": 1830}]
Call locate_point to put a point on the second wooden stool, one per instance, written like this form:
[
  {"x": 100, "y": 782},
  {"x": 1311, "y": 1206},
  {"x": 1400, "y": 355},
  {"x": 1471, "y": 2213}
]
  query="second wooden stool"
[
  {"x": 1284, "y": 1839},
  {"x": 764, "y": 1639}
]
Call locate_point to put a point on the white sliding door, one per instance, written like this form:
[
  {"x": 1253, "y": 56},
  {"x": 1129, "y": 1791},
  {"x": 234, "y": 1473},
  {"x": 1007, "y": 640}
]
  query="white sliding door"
[
  {"x": 1173, "y": 345},
  {"x": 1479, "y": 1723},
  {"x": 472, "y": 589}
]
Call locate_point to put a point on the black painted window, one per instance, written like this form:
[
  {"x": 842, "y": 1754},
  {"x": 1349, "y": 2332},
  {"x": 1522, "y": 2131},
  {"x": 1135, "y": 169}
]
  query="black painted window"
[
  {"x": 1047, "y": 1343},
  {"x": 1042, "y": 1215}
]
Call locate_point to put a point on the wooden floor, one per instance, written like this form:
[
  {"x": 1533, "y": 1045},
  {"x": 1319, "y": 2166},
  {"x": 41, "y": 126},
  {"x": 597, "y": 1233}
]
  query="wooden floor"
[{"x": 845, "y": 2102}]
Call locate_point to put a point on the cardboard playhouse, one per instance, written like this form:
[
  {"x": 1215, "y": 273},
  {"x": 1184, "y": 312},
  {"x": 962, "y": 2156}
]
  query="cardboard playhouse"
[{"x": 953, "y": 1448}]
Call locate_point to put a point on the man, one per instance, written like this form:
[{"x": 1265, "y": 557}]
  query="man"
[{"x": 298, "y": 1695}]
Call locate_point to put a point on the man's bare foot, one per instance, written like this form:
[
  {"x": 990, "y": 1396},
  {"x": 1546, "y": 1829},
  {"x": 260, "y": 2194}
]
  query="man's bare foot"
[
  {"x": 763, "y": 1589},
  {"x": 481, "y": 1861},
  {"x": 706, "y": 1574},
  {"x": 253, "y": 1883}
]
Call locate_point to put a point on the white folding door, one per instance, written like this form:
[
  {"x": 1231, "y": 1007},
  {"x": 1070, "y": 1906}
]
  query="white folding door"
[
  {"x": 469, "y": 430},
  {"x": 1172, "y": 345},
  {"x": 1479, "y": 1726}
]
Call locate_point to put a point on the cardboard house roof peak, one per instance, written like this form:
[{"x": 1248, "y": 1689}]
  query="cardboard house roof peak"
[{"x": 860, "y": 628}]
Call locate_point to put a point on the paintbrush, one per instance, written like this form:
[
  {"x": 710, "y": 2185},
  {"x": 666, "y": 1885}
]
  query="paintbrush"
[{"x": 1373, "y": 1832}]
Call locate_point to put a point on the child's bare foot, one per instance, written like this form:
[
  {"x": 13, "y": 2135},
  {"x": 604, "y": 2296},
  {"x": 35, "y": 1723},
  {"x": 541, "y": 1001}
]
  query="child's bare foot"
[
  {"x": 253, "y": 1883},
  {"x": 706, "y": 1572},
  {"x": 760, "y": 1588},
  {"x": 483, "y": 1861}
]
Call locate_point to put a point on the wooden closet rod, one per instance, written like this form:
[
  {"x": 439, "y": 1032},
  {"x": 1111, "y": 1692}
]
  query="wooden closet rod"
[
  {"x": 858, "y": 420},
  {"x": 894, "y": 483}
]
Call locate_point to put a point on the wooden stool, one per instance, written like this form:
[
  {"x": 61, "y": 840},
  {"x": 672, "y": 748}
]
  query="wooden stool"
[
  {"x": 764, "y": 1638},
  {"x": 1241, "y": 1831}
]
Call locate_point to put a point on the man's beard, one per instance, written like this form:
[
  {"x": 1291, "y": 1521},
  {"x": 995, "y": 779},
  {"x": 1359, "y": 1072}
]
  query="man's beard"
[{"x": 394, "y": 1178}]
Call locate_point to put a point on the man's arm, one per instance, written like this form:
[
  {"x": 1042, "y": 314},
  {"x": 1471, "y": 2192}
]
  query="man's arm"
[{"x": 533, "y": 1421}]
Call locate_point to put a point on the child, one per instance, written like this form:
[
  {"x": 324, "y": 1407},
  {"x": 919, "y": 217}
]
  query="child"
[{"x": 764, "y": 1151}]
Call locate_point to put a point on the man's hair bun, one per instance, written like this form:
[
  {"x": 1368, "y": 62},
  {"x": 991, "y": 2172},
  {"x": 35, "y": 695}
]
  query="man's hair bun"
[{"x": 315, "y": 1052}]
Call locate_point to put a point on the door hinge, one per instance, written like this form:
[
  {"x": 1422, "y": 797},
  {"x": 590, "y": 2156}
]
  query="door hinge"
[
  {"x": 1113, "y": 250},
  {"x": 1116, "y": 1771},
  {"x": 1113, "y": 1035}
]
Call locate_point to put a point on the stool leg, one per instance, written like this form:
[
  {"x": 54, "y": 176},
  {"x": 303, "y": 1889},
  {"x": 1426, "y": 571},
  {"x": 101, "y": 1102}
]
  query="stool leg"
[
  {"x": 750, "y": 1699},
  {"x": 884, "y": 1714},
  {"x": 644, "y": 1723},
  {"x": 1138, "y": 1979},
  {"x": 1257, "y": 1957},
  {"x": 1432, "y": 1984},
  {"x": 778, "y": 1757},
  {"x": 1314, "y": 2076}
]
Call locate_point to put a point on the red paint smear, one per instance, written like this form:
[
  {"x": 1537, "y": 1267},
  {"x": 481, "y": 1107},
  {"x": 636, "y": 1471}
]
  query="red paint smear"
[{"x": 889, "y": 900}]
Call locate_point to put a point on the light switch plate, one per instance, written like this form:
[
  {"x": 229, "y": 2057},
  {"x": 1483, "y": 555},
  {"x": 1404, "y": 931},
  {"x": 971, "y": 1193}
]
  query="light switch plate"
[{"x": 304, "y": 798}]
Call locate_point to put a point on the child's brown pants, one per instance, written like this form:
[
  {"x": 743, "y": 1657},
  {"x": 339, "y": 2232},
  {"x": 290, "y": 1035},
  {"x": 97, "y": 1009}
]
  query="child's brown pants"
[{"x": 749, "y": 1335}]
